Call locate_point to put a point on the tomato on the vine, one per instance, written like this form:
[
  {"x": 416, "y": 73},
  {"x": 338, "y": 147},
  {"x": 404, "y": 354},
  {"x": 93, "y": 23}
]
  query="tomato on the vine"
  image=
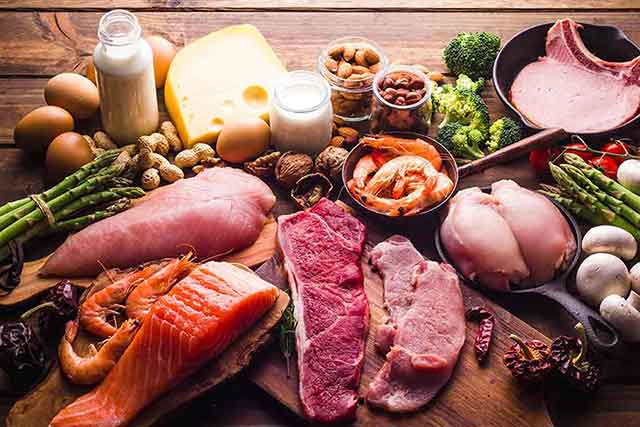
[
  {"x": 616, "y": 147},
  {"x": 607, "y": 165},
  {"x": 539, "y": 160},
  {"x": 586, "y": 156}
]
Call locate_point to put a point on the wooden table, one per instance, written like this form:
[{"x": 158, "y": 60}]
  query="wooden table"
[{"x": 40, "y": 38}]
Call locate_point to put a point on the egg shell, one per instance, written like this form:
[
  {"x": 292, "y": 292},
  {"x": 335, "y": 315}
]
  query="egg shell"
[
  {"x": 35, "y": 131},
  {"x": 66, "y": 154},
  {"x": 163, "y": 52},
  {"x": 73, "y": 92},
  {"x": 243, "y": 139}
]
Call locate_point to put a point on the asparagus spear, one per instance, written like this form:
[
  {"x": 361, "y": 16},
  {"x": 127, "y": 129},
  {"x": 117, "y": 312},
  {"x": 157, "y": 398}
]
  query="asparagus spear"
[
  {"x": 604, "y": 182},
  {"x": 616, "y": 205},
  {"x": 576, "y": 208},
  {"x": 81, "y": 222},
  {"x": 590, "y": 201},
  {"x": 71, "y": 181}
]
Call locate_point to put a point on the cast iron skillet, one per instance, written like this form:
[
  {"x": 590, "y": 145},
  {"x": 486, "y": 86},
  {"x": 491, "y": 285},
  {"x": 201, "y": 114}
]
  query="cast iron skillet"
[
  {"x": 605, "y": 41},
  {"x": 556, "y": 290}
]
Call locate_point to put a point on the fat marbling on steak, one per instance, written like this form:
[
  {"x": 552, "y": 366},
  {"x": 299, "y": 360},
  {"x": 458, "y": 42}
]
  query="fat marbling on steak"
[
  {"x": 322, "y": 249},
  {"x": 573, "y": 89},
  {"x": 425, "y": 330}
]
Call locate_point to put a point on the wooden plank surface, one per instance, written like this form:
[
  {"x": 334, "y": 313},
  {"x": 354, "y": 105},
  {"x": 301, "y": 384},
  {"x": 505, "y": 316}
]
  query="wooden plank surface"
[{"x": 306, "y": 5}]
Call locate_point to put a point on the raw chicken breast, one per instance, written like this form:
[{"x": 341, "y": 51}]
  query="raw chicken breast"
[
  {"x": 480, "y": 242},
  {"x": 218, "y": 211},
  {"x": 545, "y": 239}
]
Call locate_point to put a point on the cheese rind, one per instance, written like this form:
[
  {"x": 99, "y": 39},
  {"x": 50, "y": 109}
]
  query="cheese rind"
[{"x": 227, "y": 73}]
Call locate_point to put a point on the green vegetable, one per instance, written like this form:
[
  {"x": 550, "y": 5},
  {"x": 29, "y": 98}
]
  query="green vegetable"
[
  {"x": 465, "y": 82},
  {"x": 503, "y": 132},
  {"x": 472, "y": 54},
  {"x": 464, "y": 107},
  {"x": 81, "y": 222},
  {"x": 463, "y": 141}
]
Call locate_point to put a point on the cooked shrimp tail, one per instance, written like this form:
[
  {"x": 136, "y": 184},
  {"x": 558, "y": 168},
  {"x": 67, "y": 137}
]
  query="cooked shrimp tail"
[{"x": 401, "y": 146}]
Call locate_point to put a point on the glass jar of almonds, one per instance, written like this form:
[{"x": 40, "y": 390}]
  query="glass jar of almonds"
[{"x": 349, "y": 64}]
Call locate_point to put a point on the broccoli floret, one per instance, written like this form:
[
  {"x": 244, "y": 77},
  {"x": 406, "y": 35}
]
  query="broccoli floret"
[
  {"x": 465, "y": 82},
  {"x": 463, "y": 141},
  {"x": 472, "y": 54},
  {"x": 467, "y": 108},
  {"x": 503, "y": 132}
]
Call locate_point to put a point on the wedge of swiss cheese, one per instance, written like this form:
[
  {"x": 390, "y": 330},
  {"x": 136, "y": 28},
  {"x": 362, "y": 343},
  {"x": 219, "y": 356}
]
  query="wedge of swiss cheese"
[{"x": 226, "y": 73}]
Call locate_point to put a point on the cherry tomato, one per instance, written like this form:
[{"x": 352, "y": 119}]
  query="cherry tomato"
[
  {"x": 616, "y": 147},
  {"x": 607, "y": 165},
  {"x": 586, "y": 156},
  {"x": 539, "y": 160}
]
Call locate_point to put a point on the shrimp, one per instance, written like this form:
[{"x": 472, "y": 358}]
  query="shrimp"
[
  {"x": 94, "y": 367},
  {"x": 397, "y": 171},
  {"x": 412, "y": 202},
  {"x": 147, "y": 293},
  {"x": 94, "y": 310},
  {"x": 401, "y": 146},
  {"x": 365, "y": 167}
]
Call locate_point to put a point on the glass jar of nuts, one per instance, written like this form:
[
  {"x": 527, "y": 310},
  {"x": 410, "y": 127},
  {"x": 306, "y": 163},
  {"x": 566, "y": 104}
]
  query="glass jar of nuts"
[
  {"x": 349, "y": 64},
  {"x": 401, "y": 100}
]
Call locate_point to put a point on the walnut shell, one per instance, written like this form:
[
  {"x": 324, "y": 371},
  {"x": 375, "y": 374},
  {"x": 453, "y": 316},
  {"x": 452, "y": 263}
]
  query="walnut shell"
[
  {"x": 291, "y": 167},
  {"x": 330, "y": 162},
  {"x": 310, "y": 189}
]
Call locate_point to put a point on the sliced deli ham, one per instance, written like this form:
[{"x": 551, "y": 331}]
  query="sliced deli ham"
[
  {"x": 425, "y": 329},
  {"x": 322, "y": 249}
]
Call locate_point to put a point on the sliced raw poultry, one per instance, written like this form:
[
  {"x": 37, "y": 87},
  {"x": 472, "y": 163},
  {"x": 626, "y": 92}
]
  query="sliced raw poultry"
[
  {"x": 573, "y": 89},
  {"x": 545, "y": 239},
  {"x": 216, "y": 212},
  {"x": 322, "y": 249},
  {"x": 426, "y": 327},
  {"x": 480, "y": 241},
  {"x": 185, "y": 328}
]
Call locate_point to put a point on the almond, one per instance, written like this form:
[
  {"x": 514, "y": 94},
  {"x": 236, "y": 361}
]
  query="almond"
[
  {"x": 344, "y": 70},
  {"x": 371, "y": 56},
  {"x": 375, "y": 68},
  {"x": 435, "y": 76},
  {"x": 360, "y": 58},
  {"x": 337, "y": 141},
  {"x": 359, "y": 69},
  {"x": 350, "y": 135},
  {"x": 331, "y": 64},
  {"x": 336, "y": 52},
  {"x": 348, "y": 53}
]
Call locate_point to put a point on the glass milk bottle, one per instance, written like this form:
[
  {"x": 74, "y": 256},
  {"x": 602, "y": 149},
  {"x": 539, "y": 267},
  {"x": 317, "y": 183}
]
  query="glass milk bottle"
[
  {"x": 124, "y": 72},
  {"x": 301, "y": 115}
]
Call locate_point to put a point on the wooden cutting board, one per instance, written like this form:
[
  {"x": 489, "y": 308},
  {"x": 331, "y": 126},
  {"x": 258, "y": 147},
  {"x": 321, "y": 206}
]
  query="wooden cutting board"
[
  {"x": 475, "y": 396},
  {"x": 31, "y": 284}
]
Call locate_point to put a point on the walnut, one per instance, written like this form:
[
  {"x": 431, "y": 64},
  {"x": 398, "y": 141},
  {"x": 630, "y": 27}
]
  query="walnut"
[
  {"x": 310, "y": 189},
  {"x": 291, "y": 167},
  {"x": 330, "y": 162},
  {"x": 263, "y": 166}
]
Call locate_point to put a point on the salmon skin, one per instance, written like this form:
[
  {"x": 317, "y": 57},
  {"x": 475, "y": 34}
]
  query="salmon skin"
[{"x": 190, "y": 325}]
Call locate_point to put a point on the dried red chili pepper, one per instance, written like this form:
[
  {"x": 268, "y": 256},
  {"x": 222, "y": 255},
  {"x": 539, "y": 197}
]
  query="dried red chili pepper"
[
  {"x": 528, "y": 361},
  {"x": 14, "y": 270},
  {"x": 485, "y": 330},
  {"x": 569, "y": 356}
]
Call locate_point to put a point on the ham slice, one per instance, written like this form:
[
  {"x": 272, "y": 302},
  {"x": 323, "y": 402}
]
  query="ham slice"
[
  {"x": 216, "y": 212},
  {"x": 426, "y": 327},
  {"x": 322, "y": 249}
]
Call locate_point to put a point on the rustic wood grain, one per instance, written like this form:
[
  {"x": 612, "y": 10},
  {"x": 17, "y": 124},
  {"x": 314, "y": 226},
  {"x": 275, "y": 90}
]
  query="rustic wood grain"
[
  {"x": 320, "y": 5},
  {"x": 41, "y": 405}
]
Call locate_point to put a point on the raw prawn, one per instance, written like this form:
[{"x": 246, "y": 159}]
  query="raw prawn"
[
  {"x": 396, "y": 172},
  {"x": 401, "y": 146},
  {"x": 94, "y": 310},
  {"x": 94, "y": 367},
  {"x": 147, "y": 293}
]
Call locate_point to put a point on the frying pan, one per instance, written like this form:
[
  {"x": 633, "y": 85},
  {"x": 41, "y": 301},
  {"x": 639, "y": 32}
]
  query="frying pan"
[{"x": 556, "y": 290}]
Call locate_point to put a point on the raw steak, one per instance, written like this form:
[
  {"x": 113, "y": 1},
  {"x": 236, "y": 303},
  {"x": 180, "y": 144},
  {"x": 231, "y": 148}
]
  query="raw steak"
[
  {"x": 218, "y": 211},
  {"x": 572, "y": 89},
  {"x": 322, "y": 249},
  {"x": 426, "y": 316}
]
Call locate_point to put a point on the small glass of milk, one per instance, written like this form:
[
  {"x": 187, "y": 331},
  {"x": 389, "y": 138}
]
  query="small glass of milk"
[{"x": 301, "y": 115}]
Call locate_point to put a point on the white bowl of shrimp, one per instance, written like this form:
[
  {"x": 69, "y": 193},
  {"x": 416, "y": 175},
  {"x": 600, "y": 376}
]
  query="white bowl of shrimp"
[{"x": 400, "y": 174}]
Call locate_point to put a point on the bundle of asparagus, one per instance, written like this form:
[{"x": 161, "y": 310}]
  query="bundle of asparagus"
[
  {"x": 592, "y": 196},
  {"x": 96, "y": 191}
]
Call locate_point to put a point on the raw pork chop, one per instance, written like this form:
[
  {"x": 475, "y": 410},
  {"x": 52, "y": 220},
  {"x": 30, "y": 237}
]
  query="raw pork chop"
[
  {"x": 545, "y": 239},
  {"x": 218, "y": 211},
  {"x": 322, "y": 249},
  {"x": 427, "y": 316},
  {"x": 480, "y": 241},
  {"x": 573, "y": 89}
]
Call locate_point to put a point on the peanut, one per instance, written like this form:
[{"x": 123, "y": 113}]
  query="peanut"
[
  {"x": 203, "y": 151},
  {"x": 150, "y": 179},
  {"x": 104, "y": 141},
  {"x": 171, "y": 133},
  {"x": 186, "y": 158},
  {"x": 170, "y": 173}
]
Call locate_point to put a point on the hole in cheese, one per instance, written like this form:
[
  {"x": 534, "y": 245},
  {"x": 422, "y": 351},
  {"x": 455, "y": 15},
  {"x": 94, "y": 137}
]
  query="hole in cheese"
[{"x": 256, "y": 96}]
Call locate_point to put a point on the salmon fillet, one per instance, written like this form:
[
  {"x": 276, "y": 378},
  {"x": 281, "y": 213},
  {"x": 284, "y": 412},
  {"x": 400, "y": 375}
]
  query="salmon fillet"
[{"x": 187, "y": 327}]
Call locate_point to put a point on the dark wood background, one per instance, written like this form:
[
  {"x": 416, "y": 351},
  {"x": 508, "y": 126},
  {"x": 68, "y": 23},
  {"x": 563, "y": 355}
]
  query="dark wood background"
[{"x": 40, "y": 38}]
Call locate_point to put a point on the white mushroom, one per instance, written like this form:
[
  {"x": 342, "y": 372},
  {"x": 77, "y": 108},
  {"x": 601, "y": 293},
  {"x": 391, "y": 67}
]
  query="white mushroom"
[
  {"x": 611, "y": 240},
  {"x": 623, "y": 314},
  {"x": 629, "y": 174},
  {"x": 634, "y": 273},
  {"x": 601, "y": 275}
]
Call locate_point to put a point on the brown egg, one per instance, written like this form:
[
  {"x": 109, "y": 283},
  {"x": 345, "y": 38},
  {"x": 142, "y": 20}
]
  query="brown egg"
[
  {"x": 73, "y": 92},
  {"x": 90, "y": 73},
  {"x": 243, "y": 139},
  {"x": 35, "y": 131},
  {"x": 163, "y": 53},
  {"x": 66, "y": 154}
]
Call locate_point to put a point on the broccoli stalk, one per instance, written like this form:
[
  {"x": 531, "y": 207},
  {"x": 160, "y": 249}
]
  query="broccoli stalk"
[
  {"x": 472, "y": 54},
  {"x": 503, "y": 132},
  {"x": 463, "y": 141}
]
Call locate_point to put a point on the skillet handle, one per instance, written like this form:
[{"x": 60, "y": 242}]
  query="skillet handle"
[{"x": 584, "y": 314}]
